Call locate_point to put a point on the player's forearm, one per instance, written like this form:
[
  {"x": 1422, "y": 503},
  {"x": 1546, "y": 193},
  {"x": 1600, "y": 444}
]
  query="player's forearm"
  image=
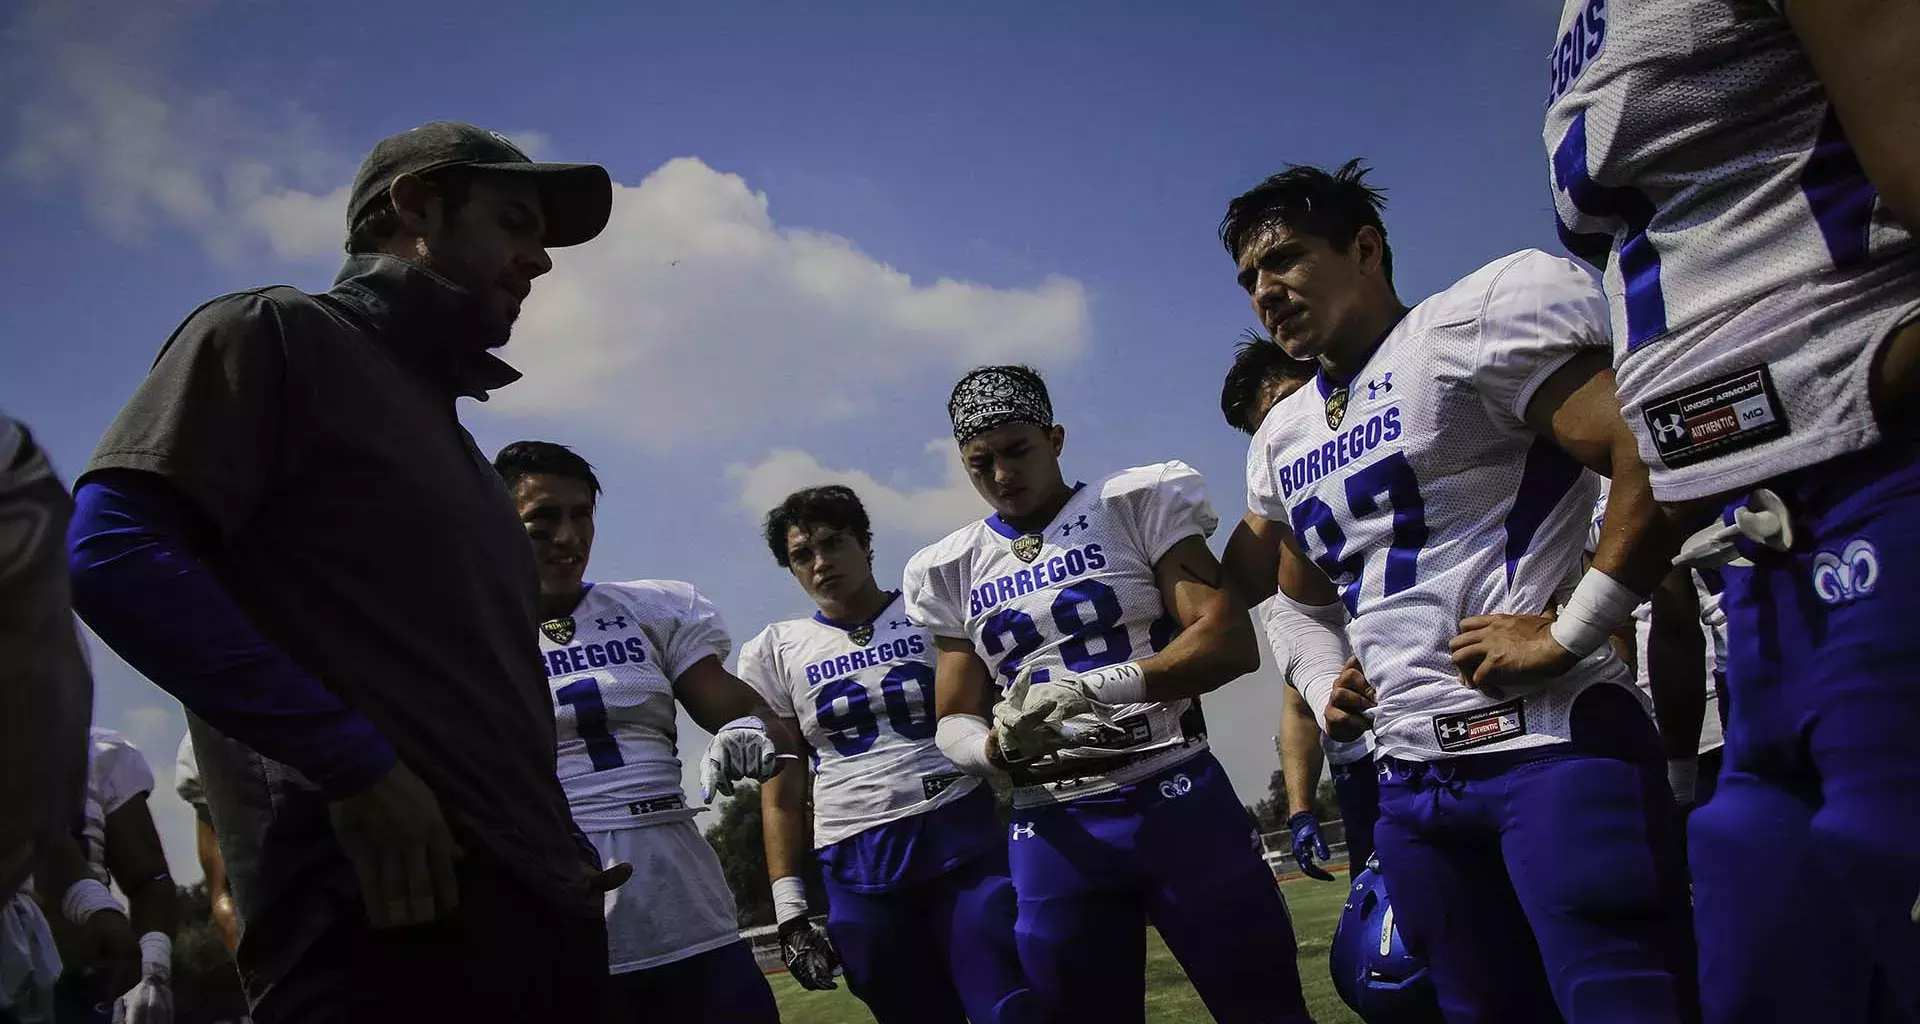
[
  {"x": 1301, "y": 759},
  {"x": 1637, "y": 543},
  {"x": 1252, "y": 559},
  {"x": 713, "y": 697},
  {"x": 152, "y": 906},
  {"x": 137, "y": 582},
  {"x": 785, "y": 832},
  {"x": 1210, "y": 652},
  {"x": 1676, "y": 665}
]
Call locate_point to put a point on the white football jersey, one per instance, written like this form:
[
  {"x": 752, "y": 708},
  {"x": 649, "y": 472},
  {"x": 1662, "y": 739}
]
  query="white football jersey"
[
  {"x": 1336, "y": 751},
  {"x": 1078, "y": 595},
  {"x": 1713, "y": 627},
  {"x": 116, "y": 773},
  {"x": 612, "y": 682},
  {"x": 1422, "y": 494},
  {"x": 863, "y": 695},
  {"x": 1750, "y": 267}
]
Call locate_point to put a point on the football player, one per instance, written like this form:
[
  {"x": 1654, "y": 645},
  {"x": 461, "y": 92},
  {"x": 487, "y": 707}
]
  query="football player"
[
  {"x": 120, "y": 845},
  {"x": 1097, "y": 610},
  {"x": 1432, "y": 487},
  {"x": 1262, "y": 374},
  {"x": 1747, "y": 175},
  {"x": 618, "y": 656},
  {"x": 915, "y": 866}
]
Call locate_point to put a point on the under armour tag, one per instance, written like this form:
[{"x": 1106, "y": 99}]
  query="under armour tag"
[
  {"x": 1712, "y": 419},
  {"x": 1465, "y": 730}
]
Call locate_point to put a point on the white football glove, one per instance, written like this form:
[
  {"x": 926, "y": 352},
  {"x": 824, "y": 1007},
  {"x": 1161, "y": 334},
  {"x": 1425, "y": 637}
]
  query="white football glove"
[
  {"x": 740, "y": 750},
  {"x": 151, "y": 1001},
  {"x": 1033, "y": 719}
]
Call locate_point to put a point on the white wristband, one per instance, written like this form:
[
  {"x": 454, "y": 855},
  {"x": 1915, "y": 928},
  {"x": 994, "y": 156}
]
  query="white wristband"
[
  {"x": 156, "y": 955},
  {"x": 963, "y": 738},
  {"x": 789, "y": 899},
  {"x": 86, "y": 898},
  {"x": 1125, "y": 683},
  {"x": 1599, "y": 606}
]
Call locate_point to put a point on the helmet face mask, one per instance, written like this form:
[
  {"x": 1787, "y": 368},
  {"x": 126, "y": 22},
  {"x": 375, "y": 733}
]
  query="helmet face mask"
[{"x": 1373, "y": 971}]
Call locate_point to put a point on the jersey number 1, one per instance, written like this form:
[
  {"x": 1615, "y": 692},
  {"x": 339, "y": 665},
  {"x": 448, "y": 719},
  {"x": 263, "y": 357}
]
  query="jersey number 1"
[{"x": 590, "y": 721}]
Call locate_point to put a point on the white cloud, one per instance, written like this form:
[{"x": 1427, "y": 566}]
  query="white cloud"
[
  {"x": 694, "y": 308},
  {"x": 920, "y": 514},
  {"x": 93, "y": 113}
]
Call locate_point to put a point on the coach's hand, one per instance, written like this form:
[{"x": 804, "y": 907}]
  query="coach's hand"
[
  {"x": 1309, "y": 846},
  {"x": 740, "y": 750},
  {"x": 1495, "y": 653},
  {"x": 401, "y": 849},
  {"x": 808, "y": 954},
  {"x": 1350, "y": 708},
  {"x": 108, "y": 959}
]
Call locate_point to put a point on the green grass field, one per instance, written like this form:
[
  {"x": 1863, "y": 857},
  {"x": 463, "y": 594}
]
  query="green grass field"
[{"x": 1170, "y": 999}]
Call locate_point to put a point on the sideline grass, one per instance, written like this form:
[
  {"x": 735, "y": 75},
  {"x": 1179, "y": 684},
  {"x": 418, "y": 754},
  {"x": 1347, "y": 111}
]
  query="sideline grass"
[{"x": 1170, "y": 999}]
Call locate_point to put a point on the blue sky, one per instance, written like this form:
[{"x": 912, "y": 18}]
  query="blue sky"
[{"x": 827, "y": 213}]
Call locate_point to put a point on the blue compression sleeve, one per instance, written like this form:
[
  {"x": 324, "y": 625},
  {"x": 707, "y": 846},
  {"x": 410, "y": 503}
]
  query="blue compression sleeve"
[{"x": 137, "y": 582}]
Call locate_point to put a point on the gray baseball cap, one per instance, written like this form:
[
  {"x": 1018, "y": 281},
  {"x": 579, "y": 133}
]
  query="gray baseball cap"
[{"x": 576, "y": 199}]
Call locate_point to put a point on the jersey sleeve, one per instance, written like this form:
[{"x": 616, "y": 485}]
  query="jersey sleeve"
[
  {"x": 1174, "y": 508},
  {"x": 120, "y": 773},
  {"x": 931, "y": 592},
  {"x": 186, "y": 774},
  {"x": 699, "y": 633},
  {"x": 760, "y": 669},
  {"x": 1538, "y": 312},
  {"x": 1263, "y": 487}
]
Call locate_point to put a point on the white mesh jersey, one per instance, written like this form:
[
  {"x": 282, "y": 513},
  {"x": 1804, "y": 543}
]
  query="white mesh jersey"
[
  {"x": 613, "y": 701},
  {"x": 116, "y": 773},
  {"x": 1750, "y": 267},
  {"x": 1713, "y": 627},
  {"x": 863, "y": 695},
  {"x": 1079, "y": 595},
  {"x": 1336, "y": 751},
  {"x": 1425, "y": 498}
]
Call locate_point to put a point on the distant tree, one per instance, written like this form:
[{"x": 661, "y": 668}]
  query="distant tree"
[
  {"x": 738, "y": 841},
  {"x": 1271, "y": 810}
]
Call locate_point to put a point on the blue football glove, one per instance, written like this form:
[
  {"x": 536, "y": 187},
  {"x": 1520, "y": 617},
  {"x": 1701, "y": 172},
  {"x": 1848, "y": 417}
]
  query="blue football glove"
[{"x": 1309, "y": 844}]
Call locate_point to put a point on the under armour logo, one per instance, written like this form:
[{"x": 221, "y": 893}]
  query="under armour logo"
[
  {"x": 617, "y": 622},
  {"x": 898, "y": 623},
  {"x": 1453, "y": 730},
  {"x": 1079, "y": 523},
  {"x": 1177, "y": 786},
  {"x": 1022, "y": 831},
  {"x": 1848, "y": 576},
  {"x": 1671, "y": 427},
  {"x": 1380, "y": 387}
]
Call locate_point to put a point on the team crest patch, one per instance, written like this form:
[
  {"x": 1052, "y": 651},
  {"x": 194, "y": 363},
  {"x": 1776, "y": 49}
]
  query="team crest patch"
[
  {"x": 1027, "y": 548},
  {"x": 1336, "y": 408},
  {"x": 560, "y": 630},
  {"x": 862, "y": 635},
  {"x": 1465, "y": 730}
]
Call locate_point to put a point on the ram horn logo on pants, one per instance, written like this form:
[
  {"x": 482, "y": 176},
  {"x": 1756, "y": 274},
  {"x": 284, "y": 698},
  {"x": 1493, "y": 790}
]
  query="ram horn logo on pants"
[
  {"x": 1848, "y": 576},
  {"x": 1177, "y": 786}
]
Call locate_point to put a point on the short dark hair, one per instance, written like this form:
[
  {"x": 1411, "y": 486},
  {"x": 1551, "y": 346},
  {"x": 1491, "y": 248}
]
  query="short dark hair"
[
  {"x": 1257, "y": 362},
  {"x": 453, "y": 184},
  {"x": 526, "y": 458},
  {"x": 1333, "y": 207},
  {"x": 834, "y": 504}
]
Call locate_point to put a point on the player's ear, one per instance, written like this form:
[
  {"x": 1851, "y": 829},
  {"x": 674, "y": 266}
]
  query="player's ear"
[
  {"x": 1368, "y": 249},
  {"x": 1057, "y": 434},
  {"x": 411, "y": 198}
]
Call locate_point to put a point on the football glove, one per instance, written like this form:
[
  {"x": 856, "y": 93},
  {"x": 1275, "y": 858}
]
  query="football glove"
[
  {"x": 1030, "y": 721},
  {"x": 151, "y": 1001},
  {"x": 809, "y": 955},
  {"x": 740, "y": 750},
  {"x": 1309, "y": 846}
]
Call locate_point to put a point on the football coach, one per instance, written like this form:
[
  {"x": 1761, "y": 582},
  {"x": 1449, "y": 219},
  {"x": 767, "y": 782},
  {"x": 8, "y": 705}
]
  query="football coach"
[{"x": 288, "y": 529}]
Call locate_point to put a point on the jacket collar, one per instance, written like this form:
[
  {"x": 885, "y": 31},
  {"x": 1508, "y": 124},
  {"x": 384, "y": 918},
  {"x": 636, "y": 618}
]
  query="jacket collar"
[{"x": 424, "y": 316}]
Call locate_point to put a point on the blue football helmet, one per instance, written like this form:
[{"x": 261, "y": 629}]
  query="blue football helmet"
[{"x": 1372, "y": 970}]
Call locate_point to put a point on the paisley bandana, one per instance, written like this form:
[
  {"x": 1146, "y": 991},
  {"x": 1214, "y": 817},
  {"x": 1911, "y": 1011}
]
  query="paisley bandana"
[{"x": 992, "y": 395}]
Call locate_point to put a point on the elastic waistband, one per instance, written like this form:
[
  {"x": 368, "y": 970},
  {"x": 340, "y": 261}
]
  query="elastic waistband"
[{"x": 1468, "y": 767}]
